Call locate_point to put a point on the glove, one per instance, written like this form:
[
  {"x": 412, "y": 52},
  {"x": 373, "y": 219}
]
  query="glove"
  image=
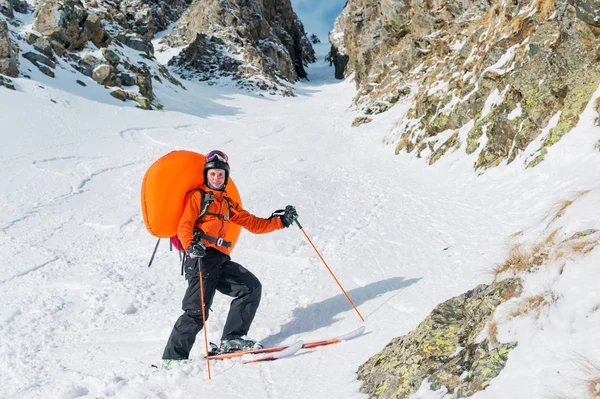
[
  {"x": 196, "y": 250},
  {"x": 289, "y": 216}
]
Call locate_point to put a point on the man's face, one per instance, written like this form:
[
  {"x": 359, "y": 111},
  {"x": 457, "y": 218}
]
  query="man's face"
[{"x": 216, "y": 178}]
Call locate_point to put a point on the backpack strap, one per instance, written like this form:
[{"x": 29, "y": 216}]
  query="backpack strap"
[
  {"x": 219, "y": 241},
  {"x": 218, "y": 214},
  {"x": 207, "y": 199}
]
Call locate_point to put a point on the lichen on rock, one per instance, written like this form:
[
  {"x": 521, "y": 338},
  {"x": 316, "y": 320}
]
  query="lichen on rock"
[{"x": 444, "y": 348}]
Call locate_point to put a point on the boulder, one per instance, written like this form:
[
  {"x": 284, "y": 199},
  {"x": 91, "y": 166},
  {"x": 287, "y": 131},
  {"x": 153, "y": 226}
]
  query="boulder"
[
  {"x": 112, "y": 57},
  {"x": 127, "y": 79},
  {"x": 62, "y": 22},
  {"x": 136, "y": 42},
  {"x": 84, "y": 64},
  {"x": 5, "y": 82},
  {"x": 8, "y": 53},
  {"x": 101, "y": 73},
  {"x": 40, "y": 43},
  {"x": 444, "y": 348},
  {"x": 143, "y": 103},
  {"x": 93, "y": 29},
  {"x": 361, "y": 120},
  {"x": 119, "y": 94},
  {"x": 6, "y": 9},
  {"x": 20, "y": 6},
  {"x": 39, "y": 59},
  {"x": 144, "y": 82}
]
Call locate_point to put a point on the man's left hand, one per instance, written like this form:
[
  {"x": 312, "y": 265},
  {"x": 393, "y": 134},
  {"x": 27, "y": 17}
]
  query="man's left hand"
[{"x": 289, "y": 216}]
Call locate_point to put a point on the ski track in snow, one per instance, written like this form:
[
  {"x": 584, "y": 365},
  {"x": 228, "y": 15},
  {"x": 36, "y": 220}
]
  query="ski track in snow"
[{"x": 83, "y": 317}]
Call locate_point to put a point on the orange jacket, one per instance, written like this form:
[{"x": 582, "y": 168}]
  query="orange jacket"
[{"x": 216, "y": 226}]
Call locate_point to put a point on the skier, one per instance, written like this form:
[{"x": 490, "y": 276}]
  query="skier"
[{"x": 201, "y": 230}]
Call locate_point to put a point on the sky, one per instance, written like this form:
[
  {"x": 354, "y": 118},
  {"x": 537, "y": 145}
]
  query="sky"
[
  {"x": 318, "y": 16},
  {"x": 82, "y": 316}
]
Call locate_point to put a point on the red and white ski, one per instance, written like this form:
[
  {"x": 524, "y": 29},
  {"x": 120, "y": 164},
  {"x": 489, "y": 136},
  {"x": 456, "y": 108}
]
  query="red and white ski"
[
  {"x": 287, "y": 352},
  {"x": 307, "y": 345}
]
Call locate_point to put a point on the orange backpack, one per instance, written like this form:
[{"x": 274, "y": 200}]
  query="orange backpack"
[{"x": 164, "y": 190}]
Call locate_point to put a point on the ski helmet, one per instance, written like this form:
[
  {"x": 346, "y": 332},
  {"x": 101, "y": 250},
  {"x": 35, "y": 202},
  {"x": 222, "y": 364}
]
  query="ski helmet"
[{"x": 216, "y": 160}]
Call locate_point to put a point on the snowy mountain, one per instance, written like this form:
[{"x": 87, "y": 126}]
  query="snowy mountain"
[{"x": 420, "y": 249}]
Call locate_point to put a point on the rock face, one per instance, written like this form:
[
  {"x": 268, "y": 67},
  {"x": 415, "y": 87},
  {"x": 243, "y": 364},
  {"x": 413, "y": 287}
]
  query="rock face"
[
  {"x": 70, "y": 23},
  {"x": 61, "y": 22},
  {"x": 258, "y": 43},
  {"x": 444, "y": 348},
  {"x": 490, "y": 76},
  {"x": 8, "y": 53},
  {"x": 207, "y": 58},
  {"x": 121, "y": 30},
  {"x": 262, "y": 39},
  {"x": 146, "y": 17}
]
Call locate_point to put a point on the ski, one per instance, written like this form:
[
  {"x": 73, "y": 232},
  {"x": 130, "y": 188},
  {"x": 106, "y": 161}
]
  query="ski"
[
  {"x": 307, "y": 345},
  {"x": 287, "y": 352}
]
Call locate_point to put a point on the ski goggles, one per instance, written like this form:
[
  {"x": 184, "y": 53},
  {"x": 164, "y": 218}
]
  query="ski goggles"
[{"x": 216, "y": 154}]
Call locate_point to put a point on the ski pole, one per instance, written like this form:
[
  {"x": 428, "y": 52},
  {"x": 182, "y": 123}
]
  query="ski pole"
[
  {"x": 204, "y": 322},
  {"x": 328, "y": 268},
  {"x": 154, "y": 252}
]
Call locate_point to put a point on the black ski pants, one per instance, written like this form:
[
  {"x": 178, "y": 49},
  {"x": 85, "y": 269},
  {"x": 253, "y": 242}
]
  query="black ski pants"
[{"x": 219, "y": 273}]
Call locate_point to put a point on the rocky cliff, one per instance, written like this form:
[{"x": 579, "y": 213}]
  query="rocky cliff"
[
  {"x": 263, "y": 40},
  {"x": 260, "y": 43},
  {"x": 492, "y": 78}
]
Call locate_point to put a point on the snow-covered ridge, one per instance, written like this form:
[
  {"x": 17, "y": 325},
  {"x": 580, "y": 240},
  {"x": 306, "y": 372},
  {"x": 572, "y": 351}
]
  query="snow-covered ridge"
[{"x": 82, "y": 315}]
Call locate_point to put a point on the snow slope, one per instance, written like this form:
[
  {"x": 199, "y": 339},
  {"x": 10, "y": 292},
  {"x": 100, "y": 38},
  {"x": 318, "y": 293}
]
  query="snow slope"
[{"x": 81, "y": 315}]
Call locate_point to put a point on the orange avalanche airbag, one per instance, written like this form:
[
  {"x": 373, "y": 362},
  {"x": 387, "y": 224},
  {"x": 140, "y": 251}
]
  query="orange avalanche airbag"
[{"x": 164, "y": 190}]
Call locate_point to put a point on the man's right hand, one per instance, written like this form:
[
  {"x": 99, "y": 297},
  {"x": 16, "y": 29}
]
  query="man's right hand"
[{"x": 196, "y": 250}]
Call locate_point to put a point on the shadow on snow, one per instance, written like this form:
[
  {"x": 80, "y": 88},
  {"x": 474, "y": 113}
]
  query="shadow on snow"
[{"x": 323, "y": 314}]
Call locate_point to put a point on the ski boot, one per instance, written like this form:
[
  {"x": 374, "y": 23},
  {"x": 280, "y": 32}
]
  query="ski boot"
[
  {"x": 167, "y": 364},
  {"x": 239, "y": 344},
  {"x": 213, "y": 349}
]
